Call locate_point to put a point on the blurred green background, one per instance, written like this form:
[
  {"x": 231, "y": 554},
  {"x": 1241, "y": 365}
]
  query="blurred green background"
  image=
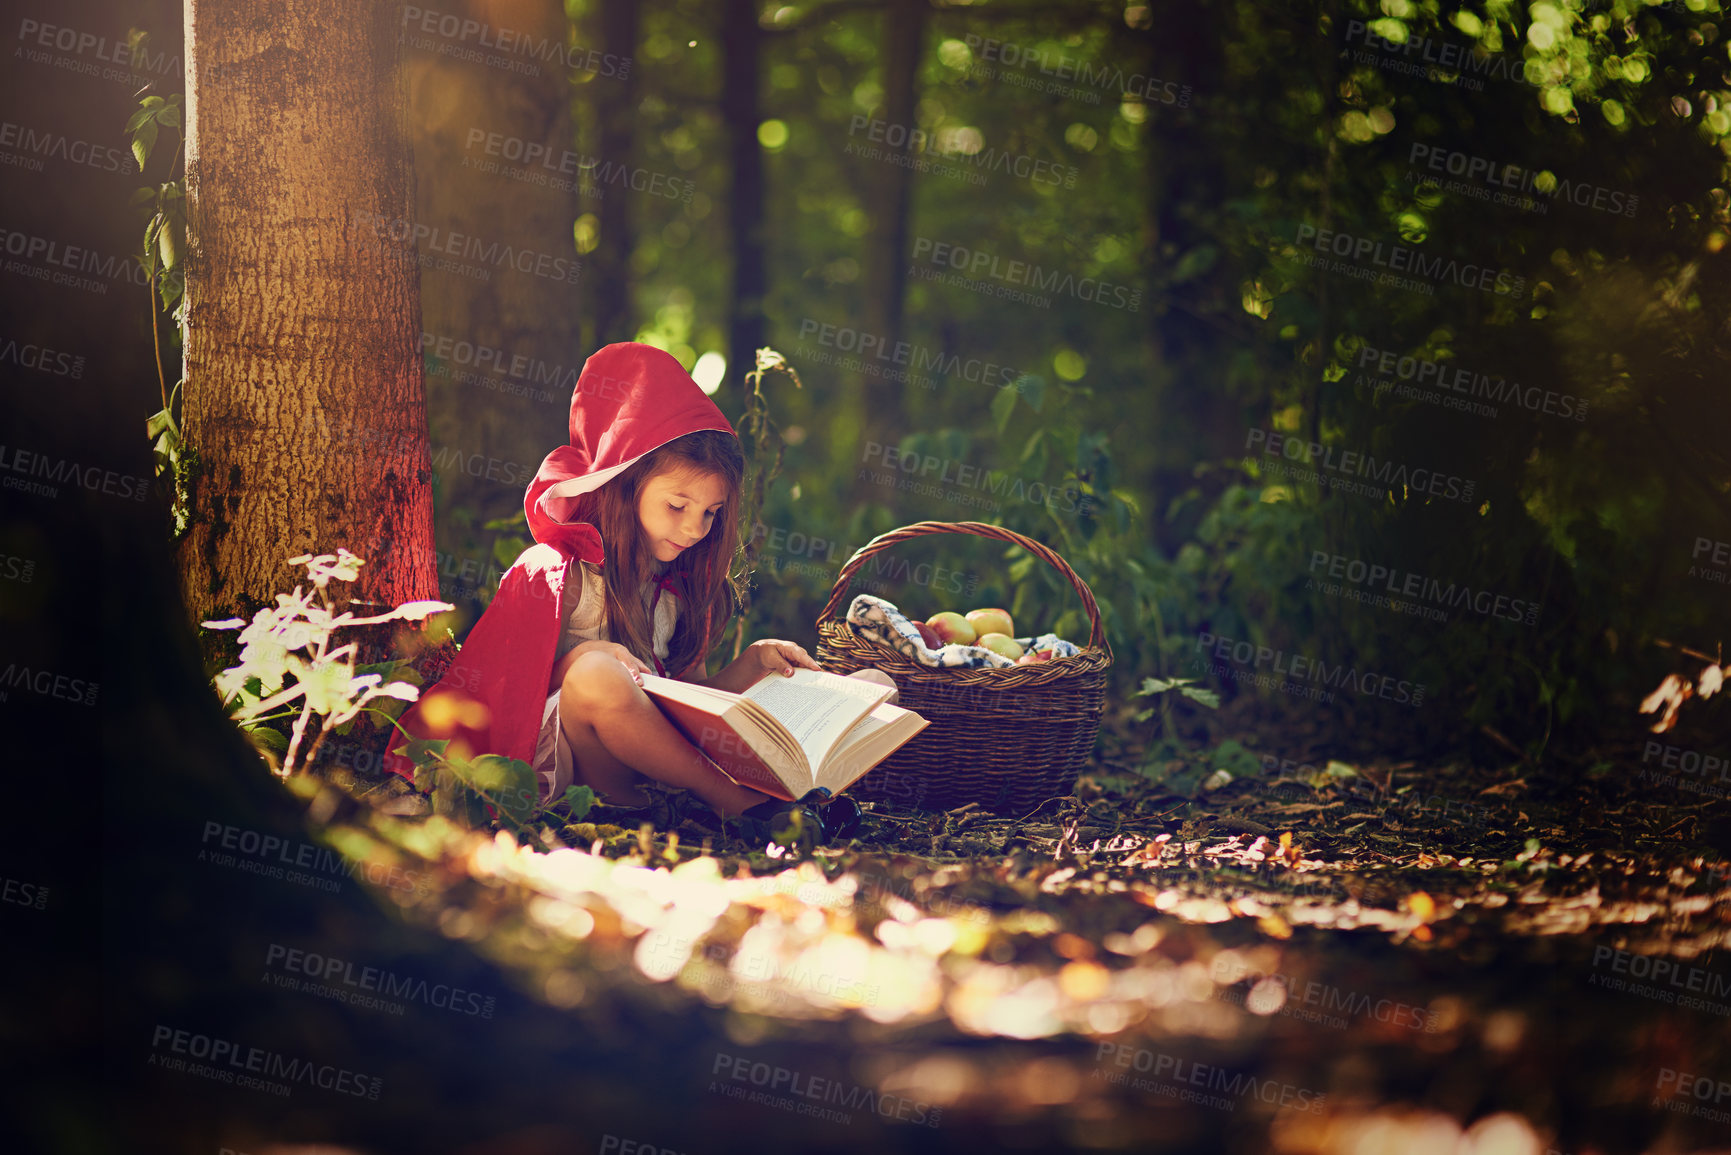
[{"x": 1161, "y": 174}]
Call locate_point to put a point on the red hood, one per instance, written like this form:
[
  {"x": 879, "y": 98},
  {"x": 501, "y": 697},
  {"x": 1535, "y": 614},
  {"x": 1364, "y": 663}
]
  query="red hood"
[{"x": 630, "y": 400}]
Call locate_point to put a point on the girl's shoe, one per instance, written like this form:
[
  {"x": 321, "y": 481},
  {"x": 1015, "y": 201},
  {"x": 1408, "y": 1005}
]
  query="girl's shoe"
[
  {"x": 817, "y": 818},
  {"x": 841, "y": 816},
  {"x": 789, "y": 824}
]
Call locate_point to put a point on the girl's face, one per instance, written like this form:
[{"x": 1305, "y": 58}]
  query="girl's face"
[{"x": 677, "y": 509}]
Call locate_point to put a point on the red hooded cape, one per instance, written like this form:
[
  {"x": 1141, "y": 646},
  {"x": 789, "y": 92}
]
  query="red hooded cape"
[{"x": 630, "y": 400}]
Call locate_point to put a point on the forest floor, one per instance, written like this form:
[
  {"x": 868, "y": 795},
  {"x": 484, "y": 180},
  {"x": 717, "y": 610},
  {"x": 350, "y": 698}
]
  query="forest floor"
[{"x": 1328, "y": 957}]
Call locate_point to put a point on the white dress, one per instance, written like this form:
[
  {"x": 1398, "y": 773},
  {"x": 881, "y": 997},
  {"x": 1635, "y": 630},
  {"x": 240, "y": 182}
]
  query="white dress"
[{"x": 583, "y": 614}]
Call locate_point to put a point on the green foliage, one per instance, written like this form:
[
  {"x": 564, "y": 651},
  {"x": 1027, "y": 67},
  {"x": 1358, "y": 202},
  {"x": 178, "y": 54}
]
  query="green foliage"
[
  {"x": 759, "y": 436},
  {"x": 161, "y": 253},
  {"x": 287, "y": 653},
  {"x": 487, "y": 789},
  {"x": 579, "y": 800},
  {"x": 473, "y": 791}
]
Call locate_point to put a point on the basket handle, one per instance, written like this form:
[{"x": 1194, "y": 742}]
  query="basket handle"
[{"x": 1096, "y": 636}]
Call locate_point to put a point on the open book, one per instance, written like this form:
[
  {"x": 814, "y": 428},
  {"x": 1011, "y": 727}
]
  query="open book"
[{"x": 784, "y": 735}]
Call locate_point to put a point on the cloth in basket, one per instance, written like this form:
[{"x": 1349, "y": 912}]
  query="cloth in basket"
[{"x": 880, "y": 621}]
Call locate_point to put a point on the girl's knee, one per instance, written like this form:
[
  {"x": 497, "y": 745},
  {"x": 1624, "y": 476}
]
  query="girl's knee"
[{"x": 597, "y": 679}]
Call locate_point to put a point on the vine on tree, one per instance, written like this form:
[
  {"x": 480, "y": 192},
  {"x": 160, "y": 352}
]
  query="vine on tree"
[
  {"x": 162, "y": 257},
  {"x": 757, "y": 432}
]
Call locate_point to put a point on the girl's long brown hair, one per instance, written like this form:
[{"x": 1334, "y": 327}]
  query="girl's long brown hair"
[{"x": 704, "y": 572}]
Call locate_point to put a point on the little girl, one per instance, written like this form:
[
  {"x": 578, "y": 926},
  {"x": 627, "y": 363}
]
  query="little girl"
[{"x": 636, "y": 528}]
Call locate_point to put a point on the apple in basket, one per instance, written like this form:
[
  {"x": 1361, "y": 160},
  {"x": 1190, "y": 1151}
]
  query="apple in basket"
[
  {"x": 991, "y": 621},
  {"x": 950, "y": 626},
  {"x": 1002, "y": 644},
  {"x": 929, "y": 636},
  {"x": 1036, "y": 657}
]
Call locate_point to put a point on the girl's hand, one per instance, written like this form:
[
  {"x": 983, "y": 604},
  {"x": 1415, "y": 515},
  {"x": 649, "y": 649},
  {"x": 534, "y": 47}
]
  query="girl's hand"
[
  {"x": 626, "y": 657},
  {"x": 777, "y": 657}
]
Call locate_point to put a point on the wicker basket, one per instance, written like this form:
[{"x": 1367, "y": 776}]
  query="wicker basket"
[{"x": 1007, "y": 738}]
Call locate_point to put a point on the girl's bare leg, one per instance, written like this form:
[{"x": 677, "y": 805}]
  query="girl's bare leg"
[{"x": 617, "y": 733}]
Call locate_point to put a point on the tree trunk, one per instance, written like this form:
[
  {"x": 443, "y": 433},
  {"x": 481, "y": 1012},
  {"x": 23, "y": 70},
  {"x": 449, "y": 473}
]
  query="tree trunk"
[
  {"x": 742, "y": 47},
  {"x": 500, "y": 167},
  {"x": 886, "y": 254},
  {"x": 609, "y": 292},
  {"x": 304, "y": 395},
  {"x": 1182, "y": 167}
]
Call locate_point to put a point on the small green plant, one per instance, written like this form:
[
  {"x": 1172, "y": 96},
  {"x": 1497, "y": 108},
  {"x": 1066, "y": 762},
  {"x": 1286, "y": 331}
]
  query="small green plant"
[
  {"x": 475, "y": 791},
  {"x": 758, "y": 433},
  {"x": 164, "y": 206},
  {"x": 287, "y": 653}
]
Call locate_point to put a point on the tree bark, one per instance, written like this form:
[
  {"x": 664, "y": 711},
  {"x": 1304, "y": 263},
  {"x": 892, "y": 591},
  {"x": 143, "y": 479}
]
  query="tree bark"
[
  {"x": 494, "y": 144},
  {"x": 304, "y": 396},
  {"x": 609, "y": 294},
  {"x": 886, "y": 253},
  {"x": 742, "y": 49}
]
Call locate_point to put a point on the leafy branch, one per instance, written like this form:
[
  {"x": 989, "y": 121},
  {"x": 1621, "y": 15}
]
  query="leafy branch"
[
  {"x": 162, "y": 257},
  {"x": 757, "y": 432},
  {"x": 295, "y": 638}
]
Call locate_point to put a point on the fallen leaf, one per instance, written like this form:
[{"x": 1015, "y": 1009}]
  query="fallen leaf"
[
  {"x": 1274, "y": 926},
  {"x": 1671, "y": 694}
]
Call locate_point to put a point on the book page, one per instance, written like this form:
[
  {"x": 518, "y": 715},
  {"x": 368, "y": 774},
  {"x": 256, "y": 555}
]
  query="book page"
[
  {"x": 815, "y": 714},
  {"x": 875, "y": 737}
]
